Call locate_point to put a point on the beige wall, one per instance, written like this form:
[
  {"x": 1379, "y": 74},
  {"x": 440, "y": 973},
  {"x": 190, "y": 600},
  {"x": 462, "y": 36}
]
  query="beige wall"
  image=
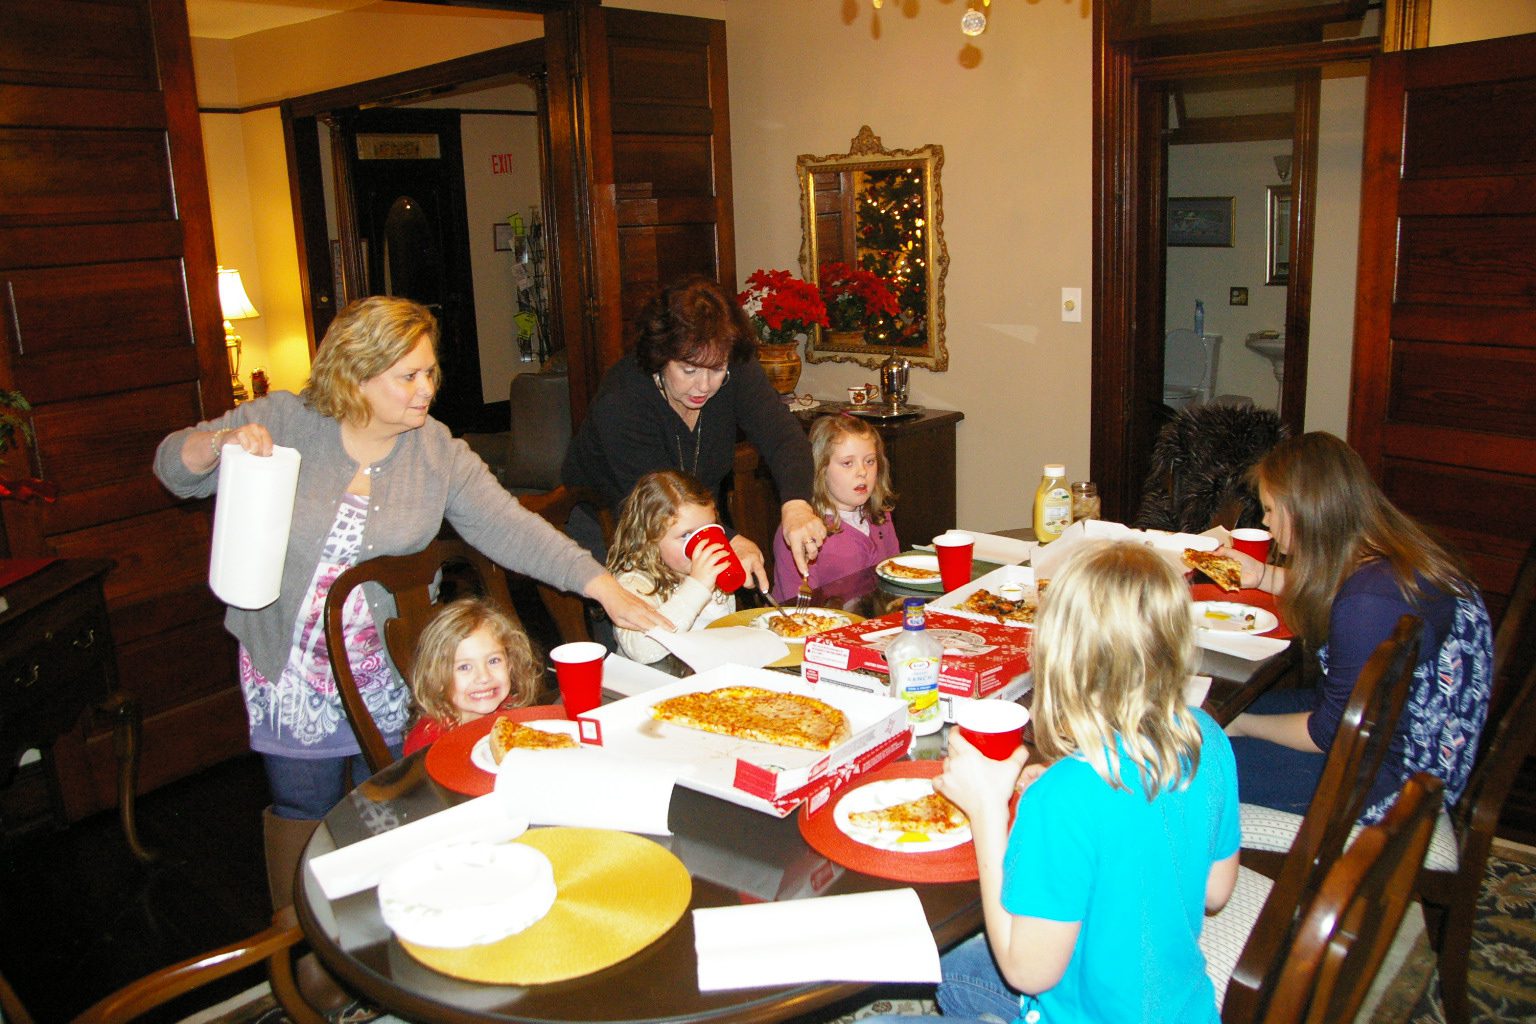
[{"x": 1014, "y": 116}]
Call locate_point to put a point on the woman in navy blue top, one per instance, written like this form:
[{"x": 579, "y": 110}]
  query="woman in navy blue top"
[{"x": 1353, "y": 564}]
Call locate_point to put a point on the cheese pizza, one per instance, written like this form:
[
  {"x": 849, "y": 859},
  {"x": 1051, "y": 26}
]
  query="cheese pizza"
[
  {"x": 985, "y": 602},
  {"x": 755, "y": 713},
  {"x": 1223, "y": 571},
  {"x": 798, "y": 625},
  {"x": 901, "y": 571},
  {"x": 932, "y": 814},
  {"x": 509, "y": 735}
]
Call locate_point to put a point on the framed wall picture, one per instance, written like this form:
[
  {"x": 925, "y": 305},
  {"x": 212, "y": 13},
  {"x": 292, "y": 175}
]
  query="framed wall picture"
[{"x": 1200, "y": 220}]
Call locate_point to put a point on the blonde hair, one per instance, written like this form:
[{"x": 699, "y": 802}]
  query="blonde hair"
[
  {"x": 1113, "y": 647},
  {"x": 646, "y": 515},
  {"x": 438, "y": 645},
  {"x": 1339, "y": 520},
  {"x": 366, "y": 338},
  {"x": 827, "y": 433}
]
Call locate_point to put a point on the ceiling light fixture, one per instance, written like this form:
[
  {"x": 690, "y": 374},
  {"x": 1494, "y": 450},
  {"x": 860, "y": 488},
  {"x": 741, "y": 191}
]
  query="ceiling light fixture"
[{"x": 973, "y": 22}]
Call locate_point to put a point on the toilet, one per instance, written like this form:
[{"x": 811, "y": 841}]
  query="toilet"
[{"x": 1189, "y": 367}]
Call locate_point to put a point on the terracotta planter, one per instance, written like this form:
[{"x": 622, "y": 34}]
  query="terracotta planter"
[{"x": 782, "y": 364}]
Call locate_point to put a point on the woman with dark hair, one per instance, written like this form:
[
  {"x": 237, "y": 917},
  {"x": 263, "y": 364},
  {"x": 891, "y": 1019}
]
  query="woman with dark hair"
[
  {"x": 1353, "y": 565},
  {"x": 691, "y": 383}
]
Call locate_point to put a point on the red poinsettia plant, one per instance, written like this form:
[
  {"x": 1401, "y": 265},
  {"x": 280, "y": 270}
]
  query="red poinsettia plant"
[
  {"x": 854, "y": 297},
  {"x": 781, "y": 306},
  {"x": 16, "y": 432}
]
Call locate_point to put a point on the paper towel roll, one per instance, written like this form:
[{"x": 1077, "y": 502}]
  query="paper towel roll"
[{"x": 250, "y": 525}]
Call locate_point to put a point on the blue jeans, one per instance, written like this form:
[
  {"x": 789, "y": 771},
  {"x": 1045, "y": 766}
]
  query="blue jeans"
[
  {"x": 307, "y": 788},
  {"x": 1272, "y": 775},
  {"x": 973, "y": 987}
]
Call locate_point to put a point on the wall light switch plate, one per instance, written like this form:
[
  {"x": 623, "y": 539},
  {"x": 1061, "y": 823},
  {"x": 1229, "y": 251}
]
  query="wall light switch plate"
[
  {"x": 1237, "y": 297},
  {"x": 1071, "y": 305}
]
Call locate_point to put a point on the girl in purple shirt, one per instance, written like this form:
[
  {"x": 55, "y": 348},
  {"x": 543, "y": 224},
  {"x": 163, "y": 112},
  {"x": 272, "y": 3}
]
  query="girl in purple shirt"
[{"x": 853, "y": 496}]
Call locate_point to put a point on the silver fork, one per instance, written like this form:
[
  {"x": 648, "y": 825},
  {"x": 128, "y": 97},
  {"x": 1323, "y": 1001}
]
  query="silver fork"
[{"x": 803, "y": 596}]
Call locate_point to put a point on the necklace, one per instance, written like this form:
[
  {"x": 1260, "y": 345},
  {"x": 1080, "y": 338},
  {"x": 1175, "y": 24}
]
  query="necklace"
[{"x": 698, "y": 440}]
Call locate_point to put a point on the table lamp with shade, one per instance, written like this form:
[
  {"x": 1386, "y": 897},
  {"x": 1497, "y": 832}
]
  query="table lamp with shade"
[{"x": 236, "y": 305}]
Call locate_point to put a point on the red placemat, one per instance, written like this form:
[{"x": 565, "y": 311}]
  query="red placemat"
[
  {"x": 956, "y": 864},
  {"x": 448, "y": 759},
  {"x": 1256, "y": 598}
]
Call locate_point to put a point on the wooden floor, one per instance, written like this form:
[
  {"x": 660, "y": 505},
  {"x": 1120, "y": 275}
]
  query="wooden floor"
[{"x": 79, "y": 916}]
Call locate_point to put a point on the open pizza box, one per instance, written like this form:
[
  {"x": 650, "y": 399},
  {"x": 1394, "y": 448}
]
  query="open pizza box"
[
  {"x": 980, "y": 657},
  {"x": 761, "y": 776},
  {"x": 1049, "y": 557},
  {"x": 1022, "y": 575}
]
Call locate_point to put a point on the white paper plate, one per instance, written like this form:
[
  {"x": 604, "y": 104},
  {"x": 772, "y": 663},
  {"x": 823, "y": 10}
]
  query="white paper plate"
[
  {"x": 467, "y": 894},
  {"x": 1233, "y": 617},
  {"x": 763, "y": 622},
  {"x": 924, "y": 563},
  {"x": 886, "y": 793},
  {"x": 480, "y": 753}
]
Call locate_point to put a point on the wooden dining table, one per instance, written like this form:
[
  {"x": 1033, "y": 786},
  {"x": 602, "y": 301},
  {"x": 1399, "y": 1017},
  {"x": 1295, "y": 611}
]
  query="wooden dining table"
[{"x": 733, "y": 854}]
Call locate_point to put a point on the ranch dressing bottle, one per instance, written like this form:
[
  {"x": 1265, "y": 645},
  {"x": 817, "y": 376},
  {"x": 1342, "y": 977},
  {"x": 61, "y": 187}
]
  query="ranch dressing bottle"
[
  {"x": 913, "y": 658},
  {"x": 1053, "y": 504}
]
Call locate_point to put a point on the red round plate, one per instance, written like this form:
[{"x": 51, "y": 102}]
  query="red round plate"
[
  {"x": 448, "y": 759},
  {"x": 956, "y": 864},
  {"x": 1257, "y": 598}
]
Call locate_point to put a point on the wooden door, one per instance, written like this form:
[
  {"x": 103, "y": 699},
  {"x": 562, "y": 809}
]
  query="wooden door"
[
  {"x": 1444, "y": 376},
  {"x": 661, "y": 185},
  {"x": 112, "y": 330}
]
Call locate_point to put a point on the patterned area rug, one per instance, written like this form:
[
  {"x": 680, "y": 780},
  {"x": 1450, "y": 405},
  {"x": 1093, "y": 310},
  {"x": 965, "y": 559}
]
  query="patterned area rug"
[
  {"x": 1502, "y": 977},
  {"x": 1502, "y": 969}
]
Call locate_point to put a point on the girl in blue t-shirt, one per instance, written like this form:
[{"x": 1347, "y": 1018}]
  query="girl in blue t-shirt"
[{"x": 1126, "y": 832}]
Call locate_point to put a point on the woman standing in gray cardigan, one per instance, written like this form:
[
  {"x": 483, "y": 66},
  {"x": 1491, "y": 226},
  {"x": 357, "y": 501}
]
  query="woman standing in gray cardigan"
[{"x": 377, "y": 477}]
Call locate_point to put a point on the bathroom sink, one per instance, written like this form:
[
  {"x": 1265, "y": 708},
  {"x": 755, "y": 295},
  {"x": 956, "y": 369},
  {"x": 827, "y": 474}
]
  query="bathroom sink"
[{"x": 1271, "y": 347}]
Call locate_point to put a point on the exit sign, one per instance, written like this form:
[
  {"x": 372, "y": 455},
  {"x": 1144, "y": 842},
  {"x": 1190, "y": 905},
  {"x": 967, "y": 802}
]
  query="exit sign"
[{"x": 501, "y": 163}]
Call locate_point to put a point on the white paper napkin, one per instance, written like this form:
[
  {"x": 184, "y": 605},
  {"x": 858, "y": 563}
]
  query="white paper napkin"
[
  {"x": 361, "y": 865},
  {"x": 628, "y": 678},
  {"x": 704, "y": 649},
  {"x": 870, "y": 936},
  {"x": 588, "y": 788},
  {"x": 1195, "y": 689},
  {"x": 1242, "y": 645}
]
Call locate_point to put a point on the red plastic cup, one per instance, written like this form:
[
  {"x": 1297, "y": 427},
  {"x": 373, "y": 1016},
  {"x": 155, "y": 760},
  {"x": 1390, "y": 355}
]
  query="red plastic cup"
[
  {"x": 954, "y": 551},
  {"x": 733, "y": 575},
  {"x": 1252, "y": 542},
  {"x": 994, "y": 727},
  {"x": 579, "y": 669}
]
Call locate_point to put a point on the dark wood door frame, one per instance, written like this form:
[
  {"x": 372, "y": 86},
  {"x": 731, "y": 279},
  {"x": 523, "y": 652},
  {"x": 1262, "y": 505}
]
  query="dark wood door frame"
[{"x": 1127, "y": 234}]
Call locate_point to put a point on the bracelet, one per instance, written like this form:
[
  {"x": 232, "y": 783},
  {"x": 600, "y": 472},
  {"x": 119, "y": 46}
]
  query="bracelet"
[{"x": 216, "y": 442}]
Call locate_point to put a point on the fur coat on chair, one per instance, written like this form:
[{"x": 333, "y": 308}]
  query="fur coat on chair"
[{"x": 1200, "y": 463}]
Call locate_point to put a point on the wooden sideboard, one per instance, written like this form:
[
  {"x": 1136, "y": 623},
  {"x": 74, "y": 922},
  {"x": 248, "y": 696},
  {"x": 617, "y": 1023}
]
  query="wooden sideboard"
[
  {"x": 921, "y": 451},
  {"x": 57, "y": 662}
]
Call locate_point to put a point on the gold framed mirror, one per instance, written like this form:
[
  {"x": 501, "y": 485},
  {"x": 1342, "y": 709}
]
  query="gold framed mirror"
[{"x": 882, "y": 211}]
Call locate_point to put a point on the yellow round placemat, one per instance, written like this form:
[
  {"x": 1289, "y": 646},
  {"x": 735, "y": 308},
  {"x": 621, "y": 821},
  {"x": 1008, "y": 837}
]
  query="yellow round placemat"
[
  {"x": 618, "y": 893},
  {"x": 796, "y": 651}
]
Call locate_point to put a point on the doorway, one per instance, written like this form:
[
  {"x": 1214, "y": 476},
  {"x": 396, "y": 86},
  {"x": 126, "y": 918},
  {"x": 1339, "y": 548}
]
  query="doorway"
[
  {"x": 407, "y": 172},
  {"x": 1139, "y": 76}
]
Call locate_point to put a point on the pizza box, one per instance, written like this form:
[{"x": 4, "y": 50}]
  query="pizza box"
[
  {"x": 762, "y": 776},
  {"x": 980, "y": 657},
  {"x": 868, "y": 682},
  {"x": 1021, "y": 575}
]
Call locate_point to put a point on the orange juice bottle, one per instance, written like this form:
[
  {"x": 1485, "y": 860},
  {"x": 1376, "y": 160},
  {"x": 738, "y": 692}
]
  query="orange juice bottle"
[{"x": 1053, "y": 504}]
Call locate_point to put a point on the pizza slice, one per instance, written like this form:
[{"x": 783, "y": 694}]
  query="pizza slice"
[
  {"x": 755, "y": 713},
  {"x": 1223, "y": 571},
  {"x": 901, "y": 571},
  {"x": 933, "y": 814},
  {"x": 509, "y": 735}
]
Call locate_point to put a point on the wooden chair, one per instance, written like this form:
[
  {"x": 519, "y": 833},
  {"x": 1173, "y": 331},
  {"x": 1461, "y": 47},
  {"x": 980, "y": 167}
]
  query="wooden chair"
[
  {"x": 1349, "y": 925},
  {"x": 275, "y": 945},
  {"x": 1449, "y": 885},
  {"x": 413, "y": 580},
  {"x": 569, "y": 611},
  {"x": 1244, "y": 951}
]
